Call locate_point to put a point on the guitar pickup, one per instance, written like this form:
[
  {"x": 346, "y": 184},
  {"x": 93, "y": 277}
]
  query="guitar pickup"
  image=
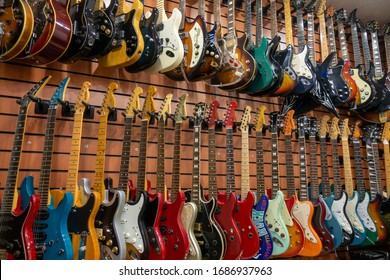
[{"x": 183, "y": 35}]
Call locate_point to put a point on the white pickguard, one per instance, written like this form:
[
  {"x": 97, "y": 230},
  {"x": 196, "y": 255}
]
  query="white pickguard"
[
  {"x": 363, "y": 87},
  {"x": 173, "y": 50},
  {"x": 129, "y": 222},
  {"x": 298, "y": 64},
  {"x": 188, "y": 216},
  {"x": 301, "y": 212},
  {"x": 363, "y": 213},
  {"x": 338, "y": 212},
  {"x": 350, "y": 210},
  {"x": 197, "y": 39}
]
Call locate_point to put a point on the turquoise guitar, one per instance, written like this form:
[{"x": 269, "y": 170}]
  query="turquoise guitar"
[
  {"x": 265, "y": 75},
  {"x": 50, "y": 229}
]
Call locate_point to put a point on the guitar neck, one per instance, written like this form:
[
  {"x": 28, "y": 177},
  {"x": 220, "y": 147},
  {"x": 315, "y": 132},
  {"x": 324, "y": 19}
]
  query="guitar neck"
[
  {"x": 259, "y": 22},
  {"x": 372, "y": 171},
  {"x": 289, "y": 166},
  {"x": 201, "y": 10},
  {"x": 360, "y": 186},
  {"x": 182, "y": 9},
  {"x": 324, "y": 167},
  {"x": 336, "y": 168},
  {"x": 160, "y": 187},
  {"x": 274, "y": 19},
  {"x": 366, "y": 49},
  {"x": 212, "y": 165},
  {"x": 101, "y": 155},
  {"x": 248, "y": 24},
  {"x": 347, "y": 167},
  {"x": 231, "y": 182},
  {"x": 375, "y": 153},
  {"x": 245, "y": 186},
  {"x": 323, "y": 38},
  {"x": 301, "y": 31},
  {"x": 376, "y": 55},
  {"x": 44, "y": 178},
  {"x": 357, "y": 56},
  {"x": 161, "y": 11},
  {"x": 231, "y": 29},
  {"x": 275, "y": 163},
  {"x": 195, "y": 193},
  {"x": 13, "y": 170},
  {"x": 125, "y": 158},
  {"x": 303, "y": 190},
  {"x": 332, "y": 39},
  {"x": 260, "y": 189},
  {"x": 175, "y": 186},
  {"x": 387, "y": 164},
  {"x": 141, "y": 183},
  {"x": 310, "y": 38},
  {"x": 217, "y": 12},
  {"x": 288, "y": 24},
  {"x": 315, "y": 193},
  {"x": 387, "y": 50},
  {"x": 343, "y": 41}
]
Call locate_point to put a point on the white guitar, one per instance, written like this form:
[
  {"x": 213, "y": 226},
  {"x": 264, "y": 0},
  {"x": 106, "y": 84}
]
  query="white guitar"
[{"x": 172, "y": 47}]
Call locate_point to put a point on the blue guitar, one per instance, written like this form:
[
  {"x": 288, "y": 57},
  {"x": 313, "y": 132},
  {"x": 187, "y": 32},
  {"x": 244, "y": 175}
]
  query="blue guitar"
[{"x": 50, "y": 229}]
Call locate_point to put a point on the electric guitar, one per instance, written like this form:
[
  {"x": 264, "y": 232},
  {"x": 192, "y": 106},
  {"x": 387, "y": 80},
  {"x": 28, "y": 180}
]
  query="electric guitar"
[
  {"x": 50, "y": 230},
  {"x": 194, "y": 38},
  {"x": 362, "y": 207},
  {"x": 16, "y": 29},
  {"x": 81, "y": 220},
  {"x": 331, "y": 222},
  {"x": 320, "y": 207},
  {"x": 16, "y": 224},
  {"x": 226, "y": 207},
  {"x": 385, "y": 208},
  {"x": 353, "y": 196},
  {"x": 261, "y": 202},
  {"x": 208, "y": 233},
  {"x": 52, "y": 32},
  {"x": 190, "y": 209},
  {"x": 107, "y": 221},
  {"x": 172, "y": 47},
  {"x": 171, "y": 225},
  {"x": 338, "y": 200},
  {"x": 386, "y": 37},
  {"x": 133, "y": 227}
]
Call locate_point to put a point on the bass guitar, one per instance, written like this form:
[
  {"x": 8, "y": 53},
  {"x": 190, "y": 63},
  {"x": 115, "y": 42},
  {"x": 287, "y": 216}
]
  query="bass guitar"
[
  {"x": 50, "y": 230},
  {"x": 16, "y": 225}
]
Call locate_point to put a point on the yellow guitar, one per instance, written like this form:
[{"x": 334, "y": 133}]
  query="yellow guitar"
[{"x": 132, "y": 45}]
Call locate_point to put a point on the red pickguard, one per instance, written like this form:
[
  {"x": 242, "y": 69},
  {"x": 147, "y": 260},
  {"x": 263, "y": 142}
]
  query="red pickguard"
[
  {"x": 224, "y": 217},
  {"x": 176, "y": 239},
  {"x": 346, "y": 74},
  {"x": 249, "y": 236},
  {"x": 156, "y": 198}
]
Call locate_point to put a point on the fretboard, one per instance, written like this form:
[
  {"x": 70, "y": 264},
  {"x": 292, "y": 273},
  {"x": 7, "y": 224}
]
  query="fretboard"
[
  {"x": 289, "y": 166},
  {"x": 315, "y": 193},
  {"x": 332, "y": 39},
  {"x": 360, "y": 186},
  {"x": 324, "y": 168},
  {"x": 44, "y": 178},
  {"x": 376, "y": 55},
  {"x": 303, "y": 190},
  {"x": 366, "y": 50},
  {"x": 182, "y": 9},
  {"x": 323, "y": 38},
  {"x": 301, "y": 31},
  {"x": 142, "y": 157},
  {"x": 212, "y": 165},
  {"x": 356, "y": 46},
  {"x": 387, "y": 165},
  {"x": 387, "y": 50},
  {"x": 347, "y": 167},
  {"x": 161, "y": 11},
  {"x": 231, "y": 29},
  {"x": 201, "y": 11},
  {"x": 274, "y": 163},
  {"x": 245, "y": 185},
  {"x": 288, "y": 24},
  {"x": 125, "y": 158},
  {"x": 231, "y": 184},
  {"x": 375, "y": 153},
  {"x": 259, "y": 22},
  {"x": 217, "y": 12},
  {"x": 195, "y": 193},
  {"x": 13, "y": 170},
  {"x": 248, "y": 24},
  {"x": 310, "y": 38},
  {"x": 160, "y": 187},
  {"x": 98, "y": 184},
  {"x": 175, "y": 186},
  {"x": 336, "y": 169},
  {"x": 274, "y": 19},
  {"x": 372, "y": 170},
  {"x": 343, "y": 41},
  {"x": 260, "y": 189}
]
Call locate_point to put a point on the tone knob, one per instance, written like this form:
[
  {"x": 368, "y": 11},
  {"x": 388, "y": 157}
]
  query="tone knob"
[
  {"x": 109, "y": 242},
  {"x": 175, "y": 247},
  {"x": 115, "y": 250},
  {"x": 127, "y": 235},
  {"x": 61, "y": 252},
  {"x": 133, "y": 240},
  {"x": 212, "y": 54}
]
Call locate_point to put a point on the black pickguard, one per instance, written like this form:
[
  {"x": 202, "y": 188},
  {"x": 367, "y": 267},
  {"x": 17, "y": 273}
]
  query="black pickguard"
[
  {"x": 341, "y": 96},
  {"x": 151, "y": 217},
  {"x": 284, "y": 59},
  {"x": 79, "y": 216}
]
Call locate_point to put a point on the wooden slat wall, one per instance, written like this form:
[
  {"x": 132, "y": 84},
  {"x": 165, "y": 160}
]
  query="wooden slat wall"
[{"x": 17, "y": 78}]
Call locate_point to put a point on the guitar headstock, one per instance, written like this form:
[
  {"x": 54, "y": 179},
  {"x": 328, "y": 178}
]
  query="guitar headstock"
[
  {"x": 303, "y": 125},
  {"x": 213, "y": 114},
  {"x": 274, "y": 122},
  {"x": 352, "y": 17},
  {"x": 330, "y": 11},
  {"x": 372, "y": 26},
  {"x": 133, "y": 106},
  {"x": 324, "y": 128},
  {"x": 260, "y": 119},
  {"x": 386, "y": 30},
  {"x": 341, "y": 15},
  {"x": 149, "y": 106},
  {"x": 245, "y": 119},
  {"x": 109, "y": 99},
  {"x": 83, "y": 98},
  {"x": 386, "y": 133},
  {"x": 356, "y": 130},
  {"x": 321, "y": 8},
  {"x": 288, "y": 123},
  {"x": 362, "y": 27},
  {"x": 165, "y": 108},
  {"x": 345, "y": 132},
  {"x": 230, "y": 115},
  {"x": 313, "y": 129},
  {"x": 371, "y": 133},
  {"x": 200, "y": 113},
  {"x": 298, "y": 4},
  {"x": 26, "y": 99},
  {"x": 59, "y": 93},
  {"x": 334, "y": 131},
  {"x": 181, "y": 109},
  {"x": 311, "y": 6}
]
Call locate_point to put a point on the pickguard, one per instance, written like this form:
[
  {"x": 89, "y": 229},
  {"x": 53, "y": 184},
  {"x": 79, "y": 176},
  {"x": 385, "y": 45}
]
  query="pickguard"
[
  {"x": 197, "y": 39},
  {"x": 301, "y": 212},
  {"x": 351, "y": 211},
  {"x": 188, "y": 215}
]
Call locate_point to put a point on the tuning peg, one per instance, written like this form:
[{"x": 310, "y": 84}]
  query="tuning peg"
[{"x": 33, "y": 98}]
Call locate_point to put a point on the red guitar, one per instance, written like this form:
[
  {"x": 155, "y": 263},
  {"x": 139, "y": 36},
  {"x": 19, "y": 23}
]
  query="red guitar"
[
  {"x": 225, "y": 208},
  {"x": 16, "y": 225}
]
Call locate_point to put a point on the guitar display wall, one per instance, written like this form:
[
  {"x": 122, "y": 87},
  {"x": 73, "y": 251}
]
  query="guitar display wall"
[{"x": 17, "y": 78}]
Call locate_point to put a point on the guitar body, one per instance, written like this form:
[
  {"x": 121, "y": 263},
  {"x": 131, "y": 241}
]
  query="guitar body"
[
  {"x": 56, "y": 34},
  {"x": 276, "y": 225},
  {"x": 81, "y": 224},
  {"x": 336, "y": 79},
  {"x": 152, "y": 44},
  {"x": 304, "y": 69},
  {"x": 369, "y": 225},
  {"x": 108, "y": 226},
  {"x": 194, "y": 39},
  {"x": 188, "y": 216},
  {"x": 258, "y": 214},
  {"x": 152, "y": 217},
  {"x": 384, "y": 210},
  {"x": 84, "y": 32},
  {"x": 132, "y": 43},
  {"x": 224, "y": 217},
  {"x": 265, "y": 75},
  {"x": 373, "y": 209},
  {"x": 353, "y": 217},
  {"x": 171, "y": 226},
  {"x": 284, "y": 59},
  {"x": 172, "y": 48},
  {"x": 51, "y": 236},
  {"x": 365, "y": 90},
  {"x": 337, "y": 207},
  {"x": 320, "y": 228},
  {"x": 346, "y": 74},
  {"x": 134, "y": 229},
  {"x": 303, "y": 211},
  {"x": 18, "y": 25}
]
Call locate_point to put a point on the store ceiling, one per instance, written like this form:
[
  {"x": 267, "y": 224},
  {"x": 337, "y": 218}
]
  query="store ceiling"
[{"x": 366, "y": 9}]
